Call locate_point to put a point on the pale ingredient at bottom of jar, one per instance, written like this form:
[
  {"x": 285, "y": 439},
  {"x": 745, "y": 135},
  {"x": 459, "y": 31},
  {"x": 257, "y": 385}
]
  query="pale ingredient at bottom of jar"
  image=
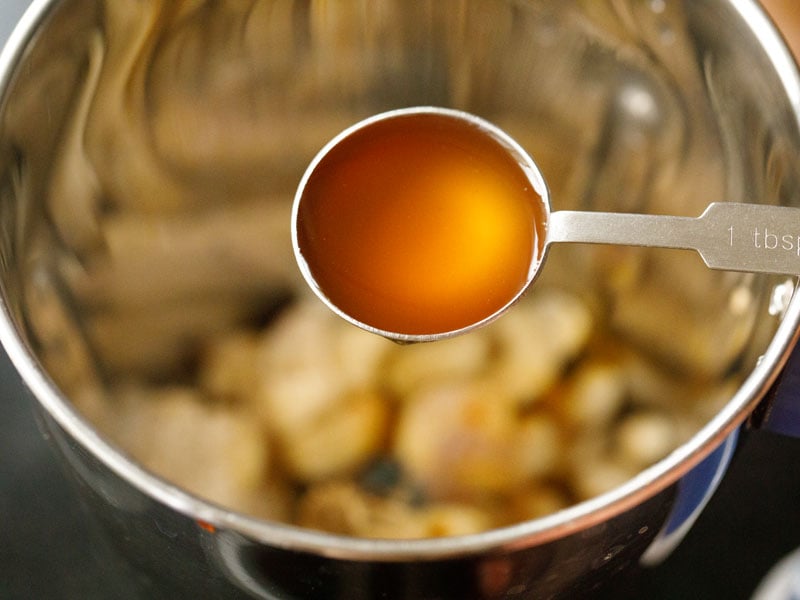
[{"x": 314, "y": 422}]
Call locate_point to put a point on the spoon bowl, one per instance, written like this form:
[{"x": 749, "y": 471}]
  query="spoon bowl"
[{"x": 420, "y": 224}]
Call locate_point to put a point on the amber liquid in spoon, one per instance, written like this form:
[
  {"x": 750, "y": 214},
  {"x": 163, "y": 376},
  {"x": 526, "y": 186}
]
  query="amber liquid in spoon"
[{"x": 420, "y": 224}]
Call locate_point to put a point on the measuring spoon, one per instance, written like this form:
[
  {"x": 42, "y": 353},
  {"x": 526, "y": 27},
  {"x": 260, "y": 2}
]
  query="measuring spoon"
[{"x": 355, "y": 196}]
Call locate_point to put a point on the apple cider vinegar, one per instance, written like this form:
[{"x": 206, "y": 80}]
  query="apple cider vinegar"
[{"x": 420, "y": 224}]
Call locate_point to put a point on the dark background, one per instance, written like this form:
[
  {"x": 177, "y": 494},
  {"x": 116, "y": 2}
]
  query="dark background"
[{"x": 49, "y": 548}]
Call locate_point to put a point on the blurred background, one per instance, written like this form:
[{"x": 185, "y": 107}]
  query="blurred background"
[{"x": 50, "y": 549}]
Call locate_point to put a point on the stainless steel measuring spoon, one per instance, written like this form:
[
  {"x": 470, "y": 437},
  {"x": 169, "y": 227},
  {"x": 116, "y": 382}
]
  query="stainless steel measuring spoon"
[{"x": 728, "y": 236}]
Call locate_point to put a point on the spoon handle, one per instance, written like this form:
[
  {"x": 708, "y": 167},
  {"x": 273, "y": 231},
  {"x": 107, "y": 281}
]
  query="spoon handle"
[{"x": 755, "y": 238}]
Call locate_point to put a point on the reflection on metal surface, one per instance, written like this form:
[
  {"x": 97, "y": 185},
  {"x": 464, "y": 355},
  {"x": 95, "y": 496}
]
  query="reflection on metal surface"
[
  {"x": 781, "y": 296},
  {"x": 694, "y": 491}
]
